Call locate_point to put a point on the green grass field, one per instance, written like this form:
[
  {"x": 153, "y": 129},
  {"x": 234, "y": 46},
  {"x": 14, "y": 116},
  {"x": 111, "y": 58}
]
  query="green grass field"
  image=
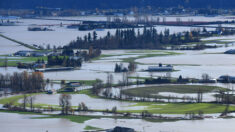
[
  {"x": 180, "y": 108},
  {"x": 73, "y": 118},
  {"x": 152, "y": 107},
  {"x": 92, "y": 128},
  {"x": 12, "y": 61},
  {"x": 141, "y": 53},
  {"x": 132, "y": 59},
  {"x": 153, "y": 91}
]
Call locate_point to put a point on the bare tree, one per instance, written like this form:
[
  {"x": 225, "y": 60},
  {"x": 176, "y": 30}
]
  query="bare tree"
[
  {"x": 124, "y": 78},
  {"x": 132, "y": 66},
  {"x": 151, "y": 75},
  {"x": 109, "y": 80},
  {"x": 158, "y": 20},
  {"x": 205, "y": 77},
  {"x": 48, "y": 46},
  {"x": 25, "y": 101},
  {"x": 114, "y": 109},
  {"x": 65, "y": 104},
  {"x": 137, "y": 80},
  {"x": 31, "y": 102},
  {"x": 82, "y": 106},
  {"x": 199, "y": 95}
]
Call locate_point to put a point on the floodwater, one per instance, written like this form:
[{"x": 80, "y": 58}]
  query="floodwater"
[
  {"x": 53, "y": 86},
  {"x": 91, "y": 103},
  {"x": 229, "y": 38},
  {"x": 190, "y": 64},
  {"x": 11, "y": 70},
  {"x": 62, "y": 35},
  {"x": 185, "y": 97},
  {"x": 9, "y": 47},
  {"x": 207, "y": 97},
  {"x": 207, "y": 125},
  {"x": 195, "y": 63},
  {"x": 11, "y": 122},
  {"x": 80, "y": 75},
  {"x": 59, "y": 37}
]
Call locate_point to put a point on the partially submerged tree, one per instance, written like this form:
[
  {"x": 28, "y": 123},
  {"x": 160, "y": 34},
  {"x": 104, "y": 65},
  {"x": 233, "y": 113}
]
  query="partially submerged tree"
[
  {"x": 205, "y": 77},
  {"x": 31, "y": 102},
  {"x": 25, "y": 101},
  {"x": 82, "y": 107},
  {"x": 109, "y": 82},
  {"x": 114, "y": 109},
  {"x": 96, "y": 87},
  {"x": 132, "y": 66},
  {"x": 65, "y": 104}
]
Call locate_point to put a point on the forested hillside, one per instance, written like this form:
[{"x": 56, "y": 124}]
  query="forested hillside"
[{"x": 107, "y": 4}]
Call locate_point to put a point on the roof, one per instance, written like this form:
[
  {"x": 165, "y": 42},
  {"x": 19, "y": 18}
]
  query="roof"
[{"x": 123, "y": 129}]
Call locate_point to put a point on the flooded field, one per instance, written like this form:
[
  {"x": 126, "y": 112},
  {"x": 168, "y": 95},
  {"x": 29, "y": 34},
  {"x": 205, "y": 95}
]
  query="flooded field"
[
  {"x": 190, "y": 64},
  {"x": 179, "y": 126},
  {"x": 62, "y": 35},
  {"x": 195, "y": 63},
  {"x": 11, "y": 122},
  {"x": 92, "y": 103},
  {"x": 223, "y": 38},
  {"x": 9, "y": 47},
  {"x": 174, "y": 95},
  {"x": 59, "y": 37}
]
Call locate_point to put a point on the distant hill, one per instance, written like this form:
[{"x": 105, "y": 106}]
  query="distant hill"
[{"x": 108, "y": 4}]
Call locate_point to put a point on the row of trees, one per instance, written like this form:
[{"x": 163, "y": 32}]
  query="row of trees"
[
  {"x": 26, "y": 105},
  {"x": 64, "y": 61},
  {"x": 87, "y": 55},
  {"x": 128, "y": 39},
  {"x": 149, "y": 39},
  {"x": 120, "y": 68},
  {"x": 65, "y": 104},
  {"x": 18, "y": 82}
]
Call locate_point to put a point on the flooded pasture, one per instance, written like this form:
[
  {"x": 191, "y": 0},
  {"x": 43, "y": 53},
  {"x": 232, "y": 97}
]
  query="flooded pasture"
[
  {"x": 215, "y": 125},
  {"x": 190, "y": 64},
  {"x": 11, "y": 122},
  {"x": 61, "y": 35},
  {"x": 9, "y": 47},
  {"x": 91, "y": 103}
]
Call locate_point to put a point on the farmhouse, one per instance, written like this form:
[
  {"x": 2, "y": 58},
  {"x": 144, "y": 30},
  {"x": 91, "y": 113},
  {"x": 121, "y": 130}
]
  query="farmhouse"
[
  {"x": 226, "y": 79},
  {"x": 27, "y": 53}
]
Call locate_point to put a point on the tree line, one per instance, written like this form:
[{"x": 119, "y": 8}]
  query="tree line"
[
  {"x": 23, "y": 82},
  {"x": 149, "y": 39},
  {"x": 120, "y": 68},
  {"x": 129, "y": 39},
  {"x": 71, "y": 58},
  {"x": 64, "y": 61}
]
